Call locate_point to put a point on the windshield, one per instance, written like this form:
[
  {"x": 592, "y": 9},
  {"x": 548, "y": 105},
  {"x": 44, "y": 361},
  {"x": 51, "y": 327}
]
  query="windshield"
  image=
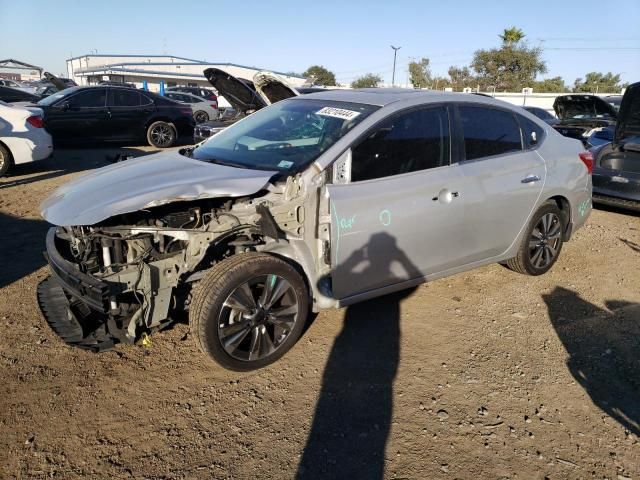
[
  {"x": 51, "y": 99},
  {"x": 285, "y": 136}
]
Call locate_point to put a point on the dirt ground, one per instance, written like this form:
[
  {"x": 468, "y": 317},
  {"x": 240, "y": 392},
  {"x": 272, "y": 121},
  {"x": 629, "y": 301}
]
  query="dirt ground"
[{"x": 488, "y": 374}]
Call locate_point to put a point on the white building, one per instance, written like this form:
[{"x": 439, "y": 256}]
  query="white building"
[{"x": 173, "y": 71}]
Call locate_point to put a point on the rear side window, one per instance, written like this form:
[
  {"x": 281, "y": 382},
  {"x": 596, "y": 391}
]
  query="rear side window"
[
  {"x": 124, "y": 98},
  {"x": 531, "y": 132},
  {"x": 417, "y": 140},
  {"x": 488, "y": 132}
]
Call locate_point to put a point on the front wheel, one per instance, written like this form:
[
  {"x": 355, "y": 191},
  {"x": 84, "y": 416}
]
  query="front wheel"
[
  {"x": 249, "y": 310},
  {"x": 161, "y": 134},
  {"x": 542, "y": 242}
]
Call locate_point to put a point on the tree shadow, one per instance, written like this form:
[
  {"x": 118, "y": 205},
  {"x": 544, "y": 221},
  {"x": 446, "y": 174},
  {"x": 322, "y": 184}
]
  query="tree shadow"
[
  {"x": 353, "y": 414},
  {"x": 604, "y": 351},
  {"x": 22, "y": 243}
]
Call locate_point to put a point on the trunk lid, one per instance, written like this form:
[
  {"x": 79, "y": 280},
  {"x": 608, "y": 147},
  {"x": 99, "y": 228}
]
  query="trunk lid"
[
  {"x": 573, "y": 107},
  {"x": 146, "y": 182},
  {"x": 629, "y": 115}
]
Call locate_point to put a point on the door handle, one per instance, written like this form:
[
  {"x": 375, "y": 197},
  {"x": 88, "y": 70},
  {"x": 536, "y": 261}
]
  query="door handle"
[
  {"x": 445, "y": 196},
  {"x": 530, "y": 179}
]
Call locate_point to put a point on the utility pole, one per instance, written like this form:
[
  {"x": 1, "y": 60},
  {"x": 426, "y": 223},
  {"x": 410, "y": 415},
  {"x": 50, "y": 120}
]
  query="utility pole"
[{"x": 393, "y": 76}]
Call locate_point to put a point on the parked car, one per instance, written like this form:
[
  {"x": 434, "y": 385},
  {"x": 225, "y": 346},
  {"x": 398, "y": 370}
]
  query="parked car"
[
  {"x": 314, "y": 202},
  {"x": 614, "y": 101},
  {"x": 12, "y": 95},
  {"x": 203, "y": 110},
  {"x": 616, "y": 171},
  {"x": 581, "y": 115},
  {"x": 201, "y": 92},
  {"x": 109, "y": 113},
  {"x": 542, "y": 114},
  {"x": 23, "y": 138},
  {"x": 17, "y": 85}
]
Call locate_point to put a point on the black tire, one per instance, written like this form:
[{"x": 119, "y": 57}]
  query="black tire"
[
  {"x": 6, "y": 160},
  {"x": 201, "y": 116},
  {"x": 541, "y": 245},
  {"x": 258, "y": 332},
  {"x": 161, "y": 134}
]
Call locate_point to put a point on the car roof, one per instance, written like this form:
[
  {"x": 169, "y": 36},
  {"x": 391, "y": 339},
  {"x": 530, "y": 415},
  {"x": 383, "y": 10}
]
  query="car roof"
[{"x": 386, "y": 96}]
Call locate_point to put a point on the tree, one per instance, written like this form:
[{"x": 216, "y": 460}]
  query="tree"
[
  {"x": 595, "y": 82},
  {"x": 511, "y": 36},
  {"x": 550, "y": 85},
  {"x": 419, "y": 73},
  {"x": 365, "y": 81},
  {"x": 512, "y": 66},
  {"x": 461, "y": 77},
  {"x": 320, "y": 75}
]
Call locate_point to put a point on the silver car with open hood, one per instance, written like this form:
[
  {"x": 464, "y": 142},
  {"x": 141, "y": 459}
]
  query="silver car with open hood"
[{"x": 316, "y": 201}]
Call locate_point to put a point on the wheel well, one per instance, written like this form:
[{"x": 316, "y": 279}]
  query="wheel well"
[
  {"x": 8, "y": 150},
  {"x": 565, "y": 207}
]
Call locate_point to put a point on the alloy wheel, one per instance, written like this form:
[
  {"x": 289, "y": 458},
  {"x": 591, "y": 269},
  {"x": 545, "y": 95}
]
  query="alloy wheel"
[
  {"x": 545, "y": 240},
  {"x": 161, "y": 135},
  {"x": 257, "y": 317},
  {"x": 2, "y": 159}
]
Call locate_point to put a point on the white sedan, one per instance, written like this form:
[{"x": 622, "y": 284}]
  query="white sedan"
[
  {"x": 203, "y": 110},
  {"x": 23, "y": 138}
]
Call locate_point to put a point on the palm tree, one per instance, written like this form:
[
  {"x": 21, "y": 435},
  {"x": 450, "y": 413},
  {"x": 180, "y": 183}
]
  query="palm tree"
[{"x": 511, "y": 36}]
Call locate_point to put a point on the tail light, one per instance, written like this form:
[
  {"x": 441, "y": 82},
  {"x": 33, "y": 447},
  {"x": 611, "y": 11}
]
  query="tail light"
[
  {"x": 587, "y": 159},
  {"x": 36, "y": 121},
  {"x": 214, "y": 105}
]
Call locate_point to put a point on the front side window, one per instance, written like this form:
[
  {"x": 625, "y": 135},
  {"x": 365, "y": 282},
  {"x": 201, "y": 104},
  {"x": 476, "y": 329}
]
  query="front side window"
[
  {"x": 489, "y": 131},
  {"x": 417, "y": 140},
  {"x": 95, "y": 97},
  {"x": 285, "y": 136}
]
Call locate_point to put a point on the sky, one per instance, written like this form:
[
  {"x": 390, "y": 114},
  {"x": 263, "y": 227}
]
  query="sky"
[{"x": 350, "y": 38}]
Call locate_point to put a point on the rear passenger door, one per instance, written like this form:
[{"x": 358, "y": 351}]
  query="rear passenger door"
[
  {"x": 504, "y": 177},
  {"x": 128, "y": 111}
]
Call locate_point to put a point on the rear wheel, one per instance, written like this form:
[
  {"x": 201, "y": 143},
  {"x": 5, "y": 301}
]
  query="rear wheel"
[
  {"x": 542, "y": 242},
  {"x": 249, "y": 310},
  {"x": 161, "y": 134},
  {"x": 5, "y": 160},
  {"x": 201, "y": 116}
]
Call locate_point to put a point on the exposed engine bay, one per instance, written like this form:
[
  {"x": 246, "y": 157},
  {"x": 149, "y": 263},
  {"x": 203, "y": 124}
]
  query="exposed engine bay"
[{"x": 146, "y": 262}]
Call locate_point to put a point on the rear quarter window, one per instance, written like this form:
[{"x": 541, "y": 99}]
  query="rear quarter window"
[{"x": 532, "y": 133}]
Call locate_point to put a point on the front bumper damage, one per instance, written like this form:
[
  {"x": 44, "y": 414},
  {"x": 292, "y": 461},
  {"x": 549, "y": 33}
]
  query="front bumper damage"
[{"x": 88, "y": 312}]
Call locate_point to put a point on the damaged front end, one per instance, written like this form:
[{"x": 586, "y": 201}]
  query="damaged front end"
[{"x": 133, "y": 273}]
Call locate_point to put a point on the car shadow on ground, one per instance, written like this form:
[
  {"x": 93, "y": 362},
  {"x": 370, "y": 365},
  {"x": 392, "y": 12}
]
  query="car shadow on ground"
[
  {"x": 22, "y": 243},
  {"x": 68, "y": 160},
  {"x": 353, "y": 415},
  {"x": 604, "y": 351}
]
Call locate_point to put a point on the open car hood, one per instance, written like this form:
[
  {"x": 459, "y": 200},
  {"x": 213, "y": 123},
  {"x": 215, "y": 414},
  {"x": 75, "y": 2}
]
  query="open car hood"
[
  {"x": 237, "y": 92},
  {"x": 146, "y": 182},
  {"x": 273, "y": 87},
  {"x": 582, "y": 106},
  {"x": 629, "y": 115}
]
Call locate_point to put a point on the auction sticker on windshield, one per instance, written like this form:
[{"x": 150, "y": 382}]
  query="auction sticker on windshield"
[{"x": 334, "y": 112}]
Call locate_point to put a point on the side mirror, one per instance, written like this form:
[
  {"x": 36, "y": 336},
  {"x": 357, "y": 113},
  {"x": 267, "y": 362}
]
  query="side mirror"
[
  {"x": 64, "y": 106},
  {"x": 342, "y": 169}
]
